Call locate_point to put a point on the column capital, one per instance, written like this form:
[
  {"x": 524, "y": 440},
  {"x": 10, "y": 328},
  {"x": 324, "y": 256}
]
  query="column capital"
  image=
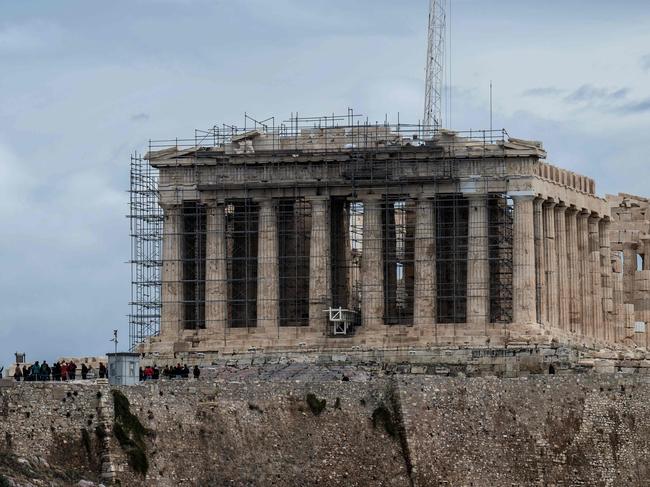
[
  {"x": 476, "y": 196},
  {"x": 549, "y": 203},
  {"x": 170, "y": 206},
  {"x": 317, "y": 198},
  {"x": 371, "y": 197},
  {"x": 522, "y": 195},
  {"x": 630, "y": 245},
  {"x": 561, "y": 207},
  {"x": 571, "y": 210},
  {"x": 268, "y": 203}
]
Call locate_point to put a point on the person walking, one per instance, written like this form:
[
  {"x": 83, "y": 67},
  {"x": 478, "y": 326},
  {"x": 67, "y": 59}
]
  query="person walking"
[{"x": 18, "y": 374}]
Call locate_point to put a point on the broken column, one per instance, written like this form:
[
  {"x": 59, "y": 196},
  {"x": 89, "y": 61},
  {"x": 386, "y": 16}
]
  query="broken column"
[{"x": 268, "y": 302}]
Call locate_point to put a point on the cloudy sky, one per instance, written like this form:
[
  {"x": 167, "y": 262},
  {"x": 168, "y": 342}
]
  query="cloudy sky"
[{"x": 83, "y": 84}]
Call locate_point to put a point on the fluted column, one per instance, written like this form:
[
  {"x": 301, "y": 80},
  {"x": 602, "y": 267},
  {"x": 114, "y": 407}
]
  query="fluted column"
[
  {"x": 596, "y": 279},
  {"x": 540, "y": 261},
  {"x": 171, "y": 289},
  {"x": 319, "y": 263},
  {"x": 619, "y": 298},
  {"x": 478, "y": 268},
  {"x": 425, "y": 263},
  {"x": 268, "y": 290},
  {"x": 585, "y": 274},
  {"x": 216, "y": 278},
  {"x": 575, "y": 309},
  {"x": 372, "y": 265},
  {"x": 523, "y": 260},
  {"x": 606, "y": 280},
  {"x": 564, "y": 299},
  {"x": 550, "y": 258}
]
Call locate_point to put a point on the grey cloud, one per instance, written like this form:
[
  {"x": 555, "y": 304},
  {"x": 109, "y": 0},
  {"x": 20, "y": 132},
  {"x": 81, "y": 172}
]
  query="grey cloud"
[
  {"x": 641, "y": 106},
  {"x": 544, "y": 91},
  {"x": 587, "y": 93},
  {"x": 139, "y": 117}
]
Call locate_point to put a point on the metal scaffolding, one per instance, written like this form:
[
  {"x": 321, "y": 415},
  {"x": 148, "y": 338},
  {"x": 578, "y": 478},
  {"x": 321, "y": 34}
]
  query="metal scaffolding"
[{"x": 220, "y": 233}]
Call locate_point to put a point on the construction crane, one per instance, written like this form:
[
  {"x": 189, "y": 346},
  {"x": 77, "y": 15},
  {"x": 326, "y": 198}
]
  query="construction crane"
[{"x": 435, "y": 66}]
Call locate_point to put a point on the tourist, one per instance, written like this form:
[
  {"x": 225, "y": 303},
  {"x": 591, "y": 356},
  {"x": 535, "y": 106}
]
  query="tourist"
[
  {"x": 72, "y": 370},
  {"x": 18, "y": 374},
  {"x": 185, "y": 372},
  {"x": 103, "y": 373},
  {"x": 56, "y": 371},
  {"x": 64, "y": 371},
  {"x": 84, "y": 371},
  {"x": 156, "y": 372},
  {"x": 196, "y": 372},
  {"x": 45, "y": 371},
  {"x": 35, "y": 371},
  {"x": 25, "y": 373},
  {"x": 148, "y": 372}
]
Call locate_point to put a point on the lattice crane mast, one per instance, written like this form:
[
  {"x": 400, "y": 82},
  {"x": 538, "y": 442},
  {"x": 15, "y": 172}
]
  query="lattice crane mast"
[{"x": 435, "y": 66}]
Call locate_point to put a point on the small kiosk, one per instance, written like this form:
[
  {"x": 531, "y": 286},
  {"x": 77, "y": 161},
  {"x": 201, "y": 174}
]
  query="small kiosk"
[{"x": 123, "y": 369}]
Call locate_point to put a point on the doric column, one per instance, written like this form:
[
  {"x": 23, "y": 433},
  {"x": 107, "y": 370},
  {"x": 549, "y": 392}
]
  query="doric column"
[
  {"x": 540, "y": 261},
  {"x": 372, "y": 265},
  {"x": 562, "y": 267},
  {"x": 585, "y": 274},
  {"x": 575, "y": 309},
  {"x": 319, "y": 263},
  {"x": 425, "y": 263},
  {"x": 268, "y": 290},
  {"x": 478, "y": 268},
  {"x": 523, "y": 260},
  {"x": 606, "y": 280},
  {"x": 216, "y": 278},
  {"x": 171, "y": 290},
  {"x": 596, "y": 279},
  {"x": 629, "y": 270},
  {"x": 618, "y": 296},
  {"x": 550, "y": 260}
]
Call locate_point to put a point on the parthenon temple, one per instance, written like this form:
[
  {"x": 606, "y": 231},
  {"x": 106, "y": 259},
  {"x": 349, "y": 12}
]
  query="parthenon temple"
[{"x": 334, "y": 234}]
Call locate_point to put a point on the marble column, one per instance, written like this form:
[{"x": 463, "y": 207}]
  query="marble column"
[
  {"x": 550, "y": 258},
  {"x": 575, "y": 309},
  {"x": 585, "y": 274},
  {"x": 596, "y": 279},
  {"x": 372, "y": 265},
  {"x": 425, "y": 263},
  {"x": 268, "y": 289},
  {"x": 172, "y": 268},
  {"x": 216, "y": 277},
  {"x": 606, "y": 280},
  {"x": 523, "y": 260},
  {"x": 540, "y": 261},
  {"x": 478, "y": 268},
  {"x": 619, "y": 298},
  {"x": 564, "y": 300},
  {"x": 319, "y": 263}
]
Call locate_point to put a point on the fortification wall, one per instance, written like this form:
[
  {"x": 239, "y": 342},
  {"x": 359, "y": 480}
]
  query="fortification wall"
[{"x": 372, "y": 430}]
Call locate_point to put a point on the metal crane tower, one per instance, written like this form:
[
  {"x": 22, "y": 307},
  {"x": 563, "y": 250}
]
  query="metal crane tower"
[{"x": 435, "y": 65}]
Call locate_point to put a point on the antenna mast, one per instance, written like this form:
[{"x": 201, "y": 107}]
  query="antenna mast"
[{"x": 435, "y": 66}]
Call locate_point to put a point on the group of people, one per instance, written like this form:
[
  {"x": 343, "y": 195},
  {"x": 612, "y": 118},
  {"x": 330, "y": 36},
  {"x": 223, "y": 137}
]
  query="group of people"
[
  {"x": 60, "y": 371},
  {"x": 169, "y": 372}
]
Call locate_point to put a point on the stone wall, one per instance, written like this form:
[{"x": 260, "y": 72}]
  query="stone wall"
[{"x": 263, "y": 429}]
